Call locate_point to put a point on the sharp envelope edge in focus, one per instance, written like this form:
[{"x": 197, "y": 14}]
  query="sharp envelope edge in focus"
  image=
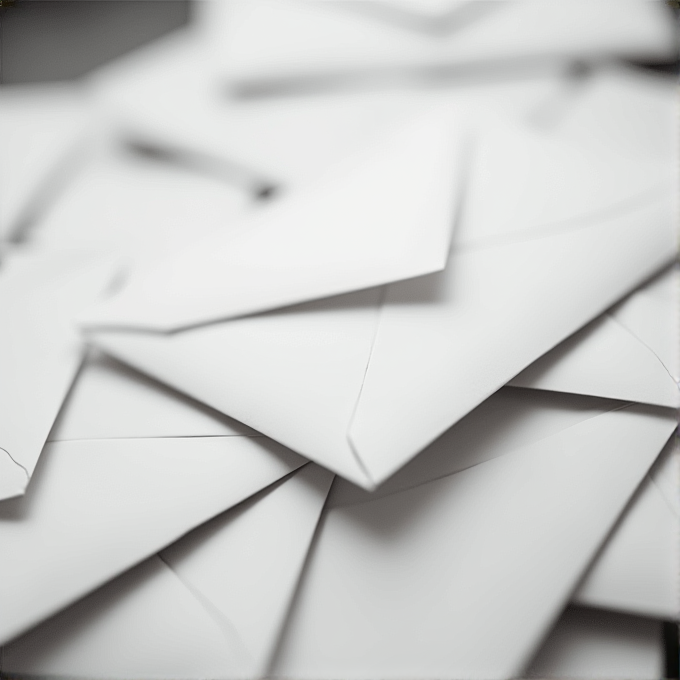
[{"x": 432, "y": 332}]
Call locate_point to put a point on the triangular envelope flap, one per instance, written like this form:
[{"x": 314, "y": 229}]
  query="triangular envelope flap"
[
  {"x": 501, "y": 303},
  {"x": 246, "y": 564},
  {"x": 293, "y": 375},
  {"x": 490, "y": 553},
  {"x": 97, "y": 508},
  {"x": 604, "y": 360},
  {"x": 379, "y": 219},
  {"x": 209, "y": 606},
  {"x": 40, "y": 350},
  {"x": 628, "y": 353},
  {"x": 144, "y": 624},
  {"x": 508, "y": 420},
  {"x": 541, "y": 183}
]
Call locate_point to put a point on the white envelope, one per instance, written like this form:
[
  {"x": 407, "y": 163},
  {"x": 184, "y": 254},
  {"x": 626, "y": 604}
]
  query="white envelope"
[
  {"x": 123, "y": 630},
  {"x": 381, "y": 373},
  {"x": 274, "y": 45},
  {"x": 596, "y": 645},
  {"x": 210, "y": 606},
  {"x": 106, "y": 497},
  {"x": 420, "y": 582},
  {"x": 40, "y": 348},
  {"x": 120, "y": 201},
  {"x": 638, "y": 568},
  {"x": 169, "y": 97},
  {"x": 47, "y": 127},
  {"x": 635, "y": 117},
  {"x": 629, "y": 353},
  {"x": 383, "y": 216},
  {"x": 110, "y": 400}
]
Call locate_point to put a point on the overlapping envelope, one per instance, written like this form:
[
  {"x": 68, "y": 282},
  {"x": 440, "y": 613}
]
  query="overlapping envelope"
[
  {"x": 169, "y": 101},
  {"x": 273, "y": 46},
  {"x": 382, "y": 372},
  {"x": 40, "y": 350},
  {"x": 114, "y": 486},
  {"x": 370, "y": 321},
  {"x": 233, "y": 580},
  {"x": 47, "y": 128}
]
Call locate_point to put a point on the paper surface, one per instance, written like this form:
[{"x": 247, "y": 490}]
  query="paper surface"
[
  {"x": 272, "y": 46},
  {"x": 591, "y": 645},
  {"x": 423, "y": 563},
  {"x": 384, "y": 216},
  {"x": 342, "y": 363},
  {"x": 40, "y": 348},
  {"x": 637, "y": 570},
  {"x": 211, "y": 605},
  {"x": 50, "y": 125}
]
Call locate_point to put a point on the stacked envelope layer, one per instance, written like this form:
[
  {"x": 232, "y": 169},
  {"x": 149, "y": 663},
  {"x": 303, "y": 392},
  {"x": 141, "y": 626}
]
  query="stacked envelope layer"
[{"x": 342, "y": 340}]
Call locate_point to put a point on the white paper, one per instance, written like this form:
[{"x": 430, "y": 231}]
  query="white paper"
[
  {"x": 211, "y": 605},
  {"x": 417, "y": 583},
  {"x": 40, "y": 348}
]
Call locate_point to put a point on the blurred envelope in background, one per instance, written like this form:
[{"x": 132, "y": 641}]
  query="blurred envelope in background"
[
  {"x": 45, "y": 128},
  {"x": 40, "y": 348},
  {"x": 287, "y": 45},
  {"x": 242, "y": 568},
  {"x": 106, "y": 497},
  {"x": 169, "y": 97},
  {"x": 121, "y": 201},
  {"x": 507, "y": 295},
  {"x": 211, "y": 605}
]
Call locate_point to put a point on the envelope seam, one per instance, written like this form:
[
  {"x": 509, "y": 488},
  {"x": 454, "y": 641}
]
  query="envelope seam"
[
  {"x": 644, "y": 344},
  {"x": 619, "y": 407},
  {"x": 17, "y": 463},
  {"x": 674, "y": 512},
  {"x": 213, "y": 612},
  {"x": 569, "y": 225},
  {"x": 355, "y": 453},
  {"x": 170, "y": 436}
]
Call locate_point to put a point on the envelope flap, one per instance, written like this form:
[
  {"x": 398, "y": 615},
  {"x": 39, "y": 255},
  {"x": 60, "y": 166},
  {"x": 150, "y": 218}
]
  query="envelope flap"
[
  {"x": 507, "y": 298},
  {"x": 543, "y": 183},
  {"x": 383, "y": 217},
  {"x": 424, "y": 563},
  {"x": 498, "y": 305},
  {"x": 99, "y": 507},
  {"x": 40, "y": 293},
  {"x": 246, "y": 564},
  {"x": 293, "y": 374},
  {"x": 145, "y": 624}
]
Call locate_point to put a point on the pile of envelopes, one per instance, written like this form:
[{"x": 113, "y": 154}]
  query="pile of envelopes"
[{"x": 342, "y": 340}]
